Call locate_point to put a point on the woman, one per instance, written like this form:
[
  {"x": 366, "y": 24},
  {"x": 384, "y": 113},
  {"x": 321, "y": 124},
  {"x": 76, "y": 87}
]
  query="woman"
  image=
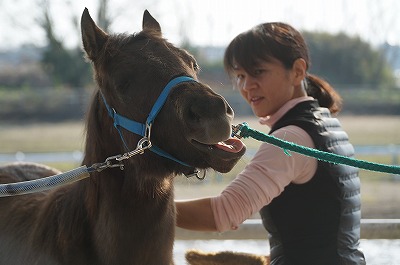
[{"x": 310, "y": 208}]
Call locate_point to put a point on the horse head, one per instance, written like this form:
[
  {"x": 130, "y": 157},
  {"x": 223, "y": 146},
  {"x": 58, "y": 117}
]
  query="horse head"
[{"x": 131, "y": 71}]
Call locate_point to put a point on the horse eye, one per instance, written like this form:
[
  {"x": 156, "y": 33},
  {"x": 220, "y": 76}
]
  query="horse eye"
[{"x": 196, "y": 67}]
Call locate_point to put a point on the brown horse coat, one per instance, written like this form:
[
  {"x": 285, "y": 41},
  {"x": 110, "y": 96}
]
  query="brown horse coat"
[{"x": 121, "y": 216}]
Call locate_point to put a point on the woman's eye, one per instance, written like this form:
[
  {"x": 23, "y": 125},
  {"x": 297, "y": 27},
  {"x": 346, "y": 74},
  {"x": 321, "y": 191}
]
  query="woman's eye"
[{"x": 239, "y": 78}]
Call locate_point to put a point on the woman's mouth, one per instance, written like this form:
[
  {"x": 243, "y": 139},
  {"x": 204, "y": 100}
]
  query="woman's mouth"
[{"x": 255, "y": 100}]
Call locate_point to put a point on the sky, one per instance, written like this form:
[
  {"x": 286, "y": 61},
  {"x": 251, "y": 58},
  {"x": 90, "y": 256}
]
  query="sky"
[{"x": 205, "y": 22}]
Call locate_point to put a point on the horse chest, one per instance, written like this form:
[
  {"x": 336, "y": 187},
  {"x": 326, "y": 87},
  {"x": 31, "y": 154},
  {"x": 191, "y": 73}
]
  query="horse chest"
[{"x": 131, "y": 232}]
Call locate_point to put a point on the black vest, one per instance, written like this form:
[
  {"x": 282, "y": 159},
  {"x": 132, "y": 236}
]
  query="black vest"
[{"x": 317, "y": 223}]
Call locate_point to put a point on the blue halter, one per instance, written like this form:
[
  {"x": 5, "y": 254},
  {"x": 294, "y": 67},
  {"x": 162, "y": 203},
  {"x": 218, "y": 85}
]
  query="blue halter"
[{"x": 144, "y": 129}]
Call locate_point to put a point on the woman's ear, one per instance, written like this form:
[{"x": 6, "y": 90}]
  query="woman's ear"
[{"x": 299, "y": 71}]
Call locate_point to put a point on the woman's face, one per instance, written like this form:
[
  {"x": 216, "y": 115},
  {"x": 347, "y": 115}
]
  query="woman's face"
[{"x": 270, "y": 86}]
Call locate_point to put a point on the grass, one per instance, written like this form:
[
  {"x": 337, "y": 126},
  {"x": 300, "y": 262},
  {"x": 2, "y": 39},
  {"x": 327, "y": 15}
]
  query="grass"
[
  {"x": 372, "y": 130},
  {"x": 41, "y": 137}
]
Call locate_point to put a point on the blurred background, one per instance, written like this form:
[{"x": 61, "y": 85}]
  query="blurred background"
[{"x": 45, "y": 83}]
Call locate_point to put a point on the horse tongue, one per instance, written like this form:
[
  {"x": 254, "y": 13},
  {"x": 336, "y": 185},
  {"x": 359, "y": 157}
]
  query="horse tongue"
[{"x": 232, "y": 145}]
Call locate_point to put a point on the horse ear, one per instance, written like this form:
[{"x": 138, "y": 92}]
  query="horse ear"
[
  {"x": 93, "y": 37},
  {"x": 150, "y": 24}
]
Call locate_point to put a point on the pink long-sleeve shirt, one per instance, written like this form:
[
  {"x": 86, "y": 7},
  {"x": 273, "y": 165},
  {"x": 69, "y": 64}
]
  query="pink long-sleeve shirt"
[{"x": 266, "y": 175}]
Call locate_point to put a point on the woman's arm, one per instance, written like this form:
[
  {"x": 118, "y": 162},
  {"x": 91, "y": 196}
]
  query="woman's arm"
[
  {"x": 263, "y": 179},
  {"x": 195, "y": 215}
]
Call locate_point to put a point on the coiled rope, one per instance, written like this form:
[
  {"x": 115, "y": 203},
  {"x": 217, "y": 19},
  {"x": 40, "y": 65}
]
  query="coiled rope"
[{"x": 243, "y": 130}]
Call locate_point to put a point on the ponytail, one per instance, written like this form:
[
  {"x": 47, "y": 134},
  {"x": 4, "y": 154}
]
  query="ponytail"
[{"x": 323, "y": 92}]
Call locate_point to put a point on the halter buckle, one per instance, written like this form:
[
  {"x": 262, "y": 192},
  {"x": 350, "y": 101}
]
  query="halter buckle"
[
  {"x": 196, "y": 173},
  {"x": 147, "y": 132}
]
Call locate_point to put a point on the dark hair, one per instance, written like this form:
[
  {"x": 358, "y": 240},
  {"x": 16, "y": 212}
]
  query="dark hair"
[{"x": 279, "y": 41}]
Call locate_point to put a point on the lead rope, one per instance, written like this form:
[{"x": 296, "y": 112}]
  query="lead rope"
[
  {"x": 42, "y": 184},
  {"x": 47, "y": 183},
  {"x": 243, "y": 130}
]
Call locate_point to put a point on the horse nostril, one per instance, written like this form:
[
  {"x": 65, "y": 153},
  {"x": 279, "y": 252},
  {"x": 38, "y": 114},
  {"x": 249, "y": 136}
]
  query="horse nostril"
[
  {"x": 199, "y": 110},
  {"x": 208, "y": 119},
  {"x": 193, "y": 115}
]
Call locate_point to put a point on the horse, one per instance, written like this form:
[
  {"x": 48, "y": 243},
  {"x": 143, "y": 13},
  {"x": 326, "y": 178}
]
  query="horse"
[{"x": 124, "y": 213}]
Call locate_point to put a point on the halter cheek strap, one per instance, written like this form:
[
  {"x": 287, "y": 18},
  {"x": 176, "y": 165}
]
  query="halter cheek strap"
[{"x": 145, "y": 129}]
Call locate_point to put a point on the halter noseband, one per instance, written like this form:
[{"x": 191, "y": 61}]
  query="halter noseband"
[{"x": 145, "y": 129}]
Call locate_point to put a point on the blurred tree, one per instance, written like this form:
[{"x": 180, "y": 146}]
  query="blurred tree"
[
  {"x": 103, "y": 17},
  {"x": 65, "y": 66},
  {"x": 345, "y": 60}
]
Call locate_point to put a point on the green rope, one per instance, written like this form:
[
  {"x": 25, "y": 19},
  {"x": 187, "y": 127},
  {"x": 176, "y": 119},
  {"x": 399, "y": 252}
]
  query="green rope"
[{"x": 243, "y": 130}]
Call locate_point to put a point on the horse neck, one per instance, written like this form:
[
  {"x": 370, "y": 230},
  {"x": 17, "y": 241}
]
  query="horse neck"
[
  {"x": 139, "y": 176},
  {"x": 116, "y": 204}
]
